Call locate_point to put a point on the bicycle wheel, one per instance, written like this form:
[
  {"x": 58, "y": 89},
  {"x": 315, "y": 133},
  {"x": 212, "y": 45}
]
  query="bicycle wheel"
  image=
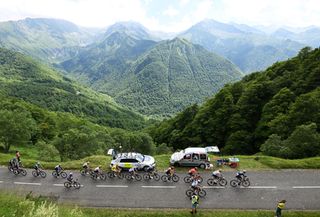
[
  {"x": 120, "y": 176},
  {"x": 200, "y": 180},
  {"x": 245, "y": 183},
  {"x": 210, "y": 182},
  {"x": 82, "y": 172},
  {"x": 110, "y": 175},
  {"x": 54, "y": 174},
  {"x": 156, "y": 177},
  {"x": 146, "y": 176},
  {"x": 189, "y": 193},
  {"x": 175, "y": 178},
  {"x": 164, "y": 178},
  {"x": 9, "y": 167},
  {"x": 43, "y": 174},
  {"x": 23, "y": 172},
  {"x": 15, "y": 171},
  {"x": 202, "y": 193},
  {"x": 187, "y": 179},
  {"x": 128, "y": 177},
  {"x": 234, "y": 183},
  {"x": 138, "y": 177},
  {"x": 63, "y": 175},
  {"x": 34, "y": 173},
  {"x": 76, "y": 185},
  {"x": 94, "y": 176},
  {"x": 67, "y": 184},
  {"x": 103, "y": 176},
  {"x": 223, "y": 182}
]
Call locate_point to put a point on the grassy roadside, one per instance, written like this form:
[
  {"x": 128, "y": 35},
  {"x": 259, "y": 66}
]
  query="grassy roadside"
[
  {"x": 12, "y": 205},
  {"x": 253, "y": 162}
]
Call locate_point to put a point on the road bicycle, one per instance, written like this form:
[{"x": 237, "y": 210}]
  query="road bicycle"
[
  {"x": 168, "y": 177},
  {"x": 40, "y": 173},
  {"x": 73, "y": 183},
  {"x": 215, "y": 181},
  {"x": 61, "y": 174},
  {"x": 237, "y": 182}
]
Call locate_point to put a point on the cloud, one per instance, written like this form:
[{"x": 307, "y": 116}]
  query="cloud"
[
  {"x": 170, "y": 11},
  {"x": 157, "y": 15}
]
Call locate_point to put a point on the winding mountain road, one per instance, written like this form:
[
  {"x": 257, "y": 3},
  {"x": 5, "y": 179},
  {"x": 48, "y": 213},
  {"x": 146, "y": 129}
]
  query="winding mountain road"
[{"x": 301, "y": 189}]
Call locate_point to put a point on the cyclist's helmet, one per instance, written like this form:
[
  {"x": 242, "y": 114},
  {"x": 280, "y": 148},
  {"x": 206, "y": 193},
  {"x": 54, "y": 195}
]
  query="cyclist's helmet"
[
  {"x": 244, "y": 171},
  {"x": 70, "y": 173},
  {"x": 220, "y": 170}
]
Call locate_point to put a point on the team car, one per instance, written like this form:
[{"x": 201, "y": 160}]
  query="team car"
[{"x": 132, "y": 159}]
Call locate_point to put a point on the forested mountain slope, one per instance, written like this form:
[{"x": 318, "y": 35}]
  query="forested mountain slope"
[
  {"x": 23, "y": 78},
  {"x": 276, "y": 110},
  {"x": 153, "y": 79}
]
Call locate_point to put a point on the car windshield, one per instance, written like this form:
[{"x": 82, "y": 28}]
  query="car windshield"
[{"x": 140, "y": 157}]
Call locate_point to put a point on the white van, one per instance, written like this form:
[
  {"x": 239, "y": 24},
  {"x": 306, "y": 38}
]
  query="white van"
[{"x": 193, "y": 157}]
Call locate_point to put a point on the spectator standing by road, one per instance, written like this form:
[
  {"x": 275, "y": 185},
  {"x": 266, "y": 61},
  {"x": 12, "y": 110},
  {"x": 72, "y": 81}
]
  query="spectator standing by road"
[
  {"x": 194, "y": 203},
  {"x": 280, "y": 206}
]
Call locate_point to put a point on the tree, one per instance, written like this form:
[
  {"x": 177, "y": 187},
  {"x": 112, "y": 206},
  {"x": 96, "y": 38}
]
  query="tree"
[
  {"x": 304, "y": 141},
  {"x": 16, "y": 127},
  {"x": 272, "y": 146}
]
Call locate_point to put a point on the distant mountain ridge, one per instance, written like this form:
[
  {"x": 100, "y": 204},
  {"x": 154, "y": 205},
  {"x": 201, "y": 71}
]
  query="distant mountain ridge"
[
  {"x": 248, "y": 48},
  {"x": 50, "y": 40}
]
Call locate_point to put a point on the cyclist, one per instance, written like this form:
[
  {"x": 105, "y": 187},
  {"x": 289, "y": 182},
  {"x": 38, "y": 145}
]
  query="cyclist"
[
  {"x": 70, "y": 177},
  {"x": 37, "y": 166},
  {"x": 195, "y": 183},
  {"x": 58, "y": 169},
  {"x": 97, "y": 170},
  {"x": 193, "y": 171},
  {"x": 241, "y": 174},
  {"x": 132, "y": 171},
  {"x": 85, "y": 166},
  {"x": 14, "y": 164},
  {"x": 116, "y": 169},
  {"x": 170, "y": 171}
]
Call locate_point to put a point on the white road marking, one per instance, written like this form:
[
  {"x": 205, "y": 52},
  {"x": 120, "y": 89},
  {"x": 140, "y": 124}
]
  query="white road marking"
[
  {"x": 213, "y": 187},
  {"x": 26, "y": 183},
  {"x": 304, "y": 187},
  {"x": 1, "y": 181},
  {"x": 157, "y": 186},
  {"x": 262, "y": 187},
  {"x": 111, "y": 186}
]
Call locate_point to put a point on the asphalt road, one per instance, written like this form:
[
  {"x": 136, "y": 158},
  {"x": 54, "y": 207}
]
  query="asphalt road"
[{"x": 301, "y": 189}]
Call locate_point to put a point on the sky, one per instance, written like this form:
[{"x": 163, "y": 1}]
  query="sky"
[{"x": 167, "y": 15}]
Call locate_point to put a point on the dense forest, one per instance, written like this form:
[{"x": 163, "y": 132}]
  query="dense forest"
[
  {"x": 26, "y": 79},
  {"x": 276, "y": 111},
  {"x": 42, "y": 109}
]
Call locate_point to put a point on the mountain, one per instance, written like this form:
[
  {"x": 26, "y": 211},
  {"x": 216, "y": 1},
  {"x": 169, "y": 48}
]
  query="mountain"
[
  {"x": 51, "y": 40},
  {"x": 134, "y": 29},
  {"x": 110, "y": 56},
  {"x": 247, "y": 47},
  {"x": 160, "y": 81},
  {"x": 309, "y": 36},
  {"x": 23, "y": 78},
  {"x": 275, "y": 111}
]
